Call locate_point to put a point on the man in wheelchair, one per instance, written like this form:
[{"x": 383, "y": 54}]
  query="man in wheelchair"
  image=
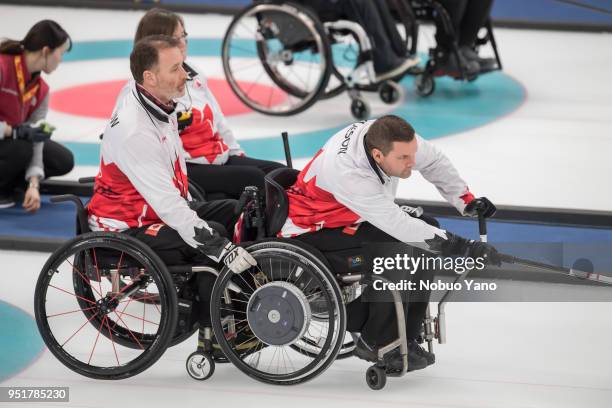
[
  {"x": 344, "y": 198},
  {"x": 141, "y": 188}
]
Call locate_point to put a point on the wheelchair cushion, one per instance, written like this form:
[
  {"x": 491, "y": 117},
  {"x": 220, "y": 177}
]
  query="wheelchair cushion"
[{"x": 277, "y": 203}]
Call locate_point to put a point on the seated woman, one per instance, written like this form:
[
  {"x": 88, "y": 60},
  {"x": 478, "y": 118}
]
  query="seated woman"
[
  {"x": 215, "y": 161},
  {"x": 26, "y": 153}
]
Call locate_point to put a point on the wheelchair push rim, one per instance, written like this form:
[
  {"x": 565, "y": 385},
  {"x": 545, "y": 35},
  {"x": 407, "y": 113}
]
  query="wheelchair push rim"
[
  {"x": 283, "y": 362},
  {"x": 70, "y": 298},
  {"x": 276, "y": 58}
]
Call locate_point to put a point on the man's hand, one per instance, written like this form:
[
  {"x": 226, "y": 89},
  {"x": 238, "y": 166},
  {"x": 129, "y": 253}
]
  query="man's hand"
[
  {"x": 39, "y": 132},
  {"x": 455, "y": 245},
  {"x": 237, "y": 259},
  {"x": 480, "y": 205},
  {"x": 484, "y": 251},
  {"x": 31, "y": 202}
]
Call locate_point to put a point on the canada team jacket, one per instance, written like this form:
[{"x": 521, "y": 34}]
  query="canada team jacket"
[
  {"x": 342, "y": 186},
  {"x": 143, "y": 178}
]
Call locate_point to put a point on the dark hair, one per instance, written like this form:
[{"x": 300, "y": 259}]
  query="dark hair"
[
  {"x": 157, "y": 21},
  {"x": 145, "y": 54},
  {"x": 45, "y": 33},
  {"x": 386, "y": 130}
]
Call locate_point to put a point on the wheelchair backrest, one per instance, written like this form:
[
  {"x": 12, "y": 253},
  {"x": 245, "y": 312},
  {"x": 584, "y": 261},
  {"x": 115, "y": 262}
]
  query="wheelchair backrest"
[{"x": 277, "y": 204}]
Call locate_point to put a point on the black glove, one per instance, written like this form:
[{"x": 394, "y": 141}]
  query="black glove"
[
  {"x": 455, "y": 245},
  {"x": 480, "y": 205},
  {"x": 485, "y": 251},
  {"x": 184, "y": 119},
  {"x": 39, "y": 133}
]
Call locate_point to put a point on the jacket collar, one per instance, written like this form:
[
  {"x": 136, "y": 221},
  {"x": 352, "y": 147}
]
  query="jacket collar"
[
  {"x": 153, "y": 105},
  {"x": 191, "y": 72},
  {"x": 375, "y": 168}
]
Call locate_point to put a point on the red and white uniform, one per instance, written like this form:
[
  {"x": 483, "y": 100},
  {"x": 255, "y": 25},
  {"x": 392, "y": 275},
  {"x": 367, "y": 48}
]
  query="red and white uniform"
[
  {"x": 24, "y": 99},
  {"x": 143, "y": 177},
  {"x": 342, "y": 186},
  {"x": 208, "y": 140}
]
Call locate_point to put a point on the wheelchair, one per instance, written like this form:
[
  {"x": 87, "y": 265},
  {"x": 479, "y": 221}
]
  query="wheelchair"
[
  {"x": 280, "y": 58},
  {"x": 415, "y": 13},
  {"x": 107, "y": 307}
]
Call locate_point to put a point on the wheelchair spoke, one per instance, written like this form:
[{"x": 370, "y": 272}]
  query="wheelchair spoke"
[
  {"x": 73, "y": 311},
  {"x": 140, "y": 318},
  {"x": 248, "y": 92},
  {"x": 130, "y": 331},
  {"x": 97, "y": 269},
  {"x": 123, "y": 311},
  {"x": 245, "y": 67},
  {"x": 96, "y": 342},
  {"x": 79, "y": 329},
  {"x": 85, "y": 280},
  {"x": 76, "y": 296},
  {"x": 113, "y": 342},
  {"x": 249, "y": 51},
  {"x": 233, "y": 310},
  {"x": 250, "y": 30}
]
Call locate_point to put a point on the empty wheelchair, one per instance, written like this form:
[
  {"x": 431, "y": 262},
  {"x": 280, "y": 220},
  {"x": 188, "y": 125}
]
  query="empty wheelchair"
[{"x": 279, "y": 58}]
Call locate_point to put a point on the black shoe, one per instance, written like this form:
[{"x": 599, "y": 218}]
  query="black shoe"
[
  {"x": 416, "y": 348},
  {"x": 485, "y": 64},
  {"x": 392, "y": 360},
  {"x": 447, "y": 64},
  {"x": 7, "y": 201}
]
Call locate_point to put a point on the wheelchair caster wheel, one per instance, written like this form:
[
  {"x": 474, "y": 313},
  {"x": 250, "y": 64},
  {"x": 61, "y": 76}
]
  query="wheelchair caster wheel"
[
  {"x": 376, "y": 377},
  {"x": 360, "y": 109},
  {"x": 389, "y": 92},
  {"x": 424, "y": 85},
  {"x": 200, "y": 366}
]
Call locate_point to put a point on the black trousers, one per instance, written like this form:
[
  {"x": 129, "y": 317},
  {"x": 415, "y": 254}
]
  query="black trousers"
[
  {"x": 373, "y": 314},
  {"x": 375, "y": 18},
  {"x": 172, "y": 250},
  {"x": 230, "y": 179},
  {"x": 15, "y": 157},
  {"x": 467, "y": 17}
]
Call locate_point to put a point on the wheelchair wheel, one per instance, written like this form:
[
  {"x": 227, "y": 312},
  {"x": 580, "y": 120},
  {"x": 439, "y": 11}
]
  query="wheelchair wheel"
[
  {"x": 92, "y": 323},
  {"x": 424, "y": 84},
  {"x": 276, "y": 58},
  {"x": 269, "y": 310},
  {"x": 311, "y": 343}
]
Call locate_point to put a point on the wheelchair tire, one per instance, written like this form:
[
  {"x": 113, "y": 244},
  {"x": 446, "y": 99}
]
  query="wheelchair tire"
[
  {"x": 424, "y": 84},
  {"x": 278, "y": 261},
  {"x": 277, "y": 65},
  {"x": 57, "y": 315},
  {"x": 376, "y": 377},
  {"x": 360, "y": 109},
  {"x": 390, "y": 92}
]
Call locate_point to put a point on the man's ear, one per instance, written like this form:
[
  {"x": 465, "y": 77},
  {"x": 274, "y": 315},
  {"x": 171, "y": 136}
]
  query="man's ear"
[
  {"x": 149, "y": 77},
  {"x": 377, "y": 155}
]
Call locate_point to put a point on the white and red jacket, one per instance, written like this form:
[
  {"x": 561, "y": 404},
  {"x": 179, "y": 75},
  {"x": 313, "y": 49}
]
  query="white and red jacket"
[
  {"x": 143, "y": 177},
  {"x": 208, "y": 140},
  {"x": 343, "y": 186}
]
